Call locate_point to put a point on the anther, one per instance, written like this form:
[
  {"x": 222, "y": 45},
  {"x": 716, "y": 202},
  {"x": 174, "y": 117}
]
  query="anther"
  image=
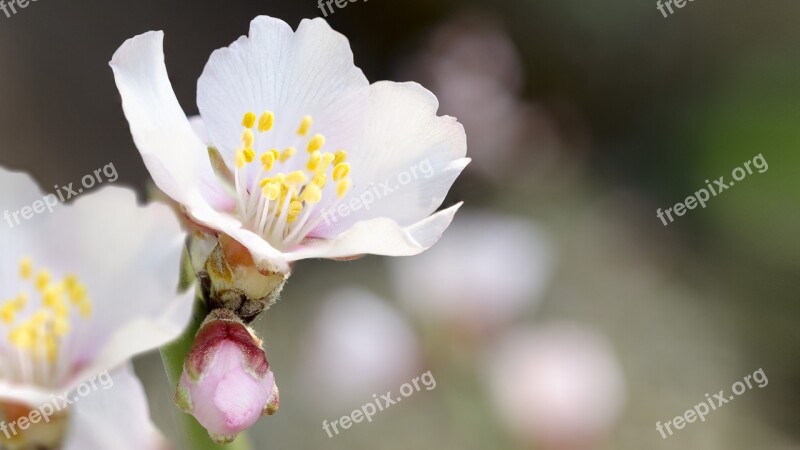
[
  {"x": 305, "y": 126},
  {"x": 266, "y": 121}
]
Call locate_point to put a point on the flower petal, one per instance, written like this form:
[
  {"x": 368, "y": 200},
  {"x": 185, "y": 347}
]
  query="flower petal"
[
  {"x": 173, "y": 153},
  {"x": 380, "y": 236},
  {"x": 114, "y": 417},
  {"x": 406, "y": 162},
  {"x": 310, "y": 71}
]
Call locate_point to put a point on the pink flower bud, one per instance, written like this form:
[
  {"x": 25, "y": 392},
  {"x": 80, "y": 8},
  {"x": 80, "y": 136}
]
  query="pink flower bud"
[{"x": 226, "y": 383}]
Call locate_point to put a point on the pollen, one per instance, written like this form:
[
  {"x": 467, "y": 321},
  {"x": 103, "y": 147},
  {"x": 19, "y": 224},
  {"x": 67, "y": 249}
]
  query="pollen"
[
  {"x": 343, "y": 187},
  {"x": 305, "y": 126},
  {"x": 267, "y": 161},
  {"x": 266, "y": 121},
  {"x": 39, "y": 330},
  {"x": 249, "y": 120},
  {"x": 288, "y": 153},
  {"x": 248, "y": 138},
  {"x": 339, "y": 157},
  {"x": 281, "y": 201},
  {"x": 25, "y": 268},
  {"x": 340, "y": 171},
  {"x": 295, "y": 178},
  {"x": 312, "y": 194},
  {"x": 316, "y": 143},
  {"x": 314, "y": 161}
]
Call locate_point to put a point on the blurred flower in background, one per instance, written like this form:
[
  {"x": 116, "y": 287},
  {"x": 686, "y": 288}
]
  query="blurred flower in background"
[
  {"x": 488, "y": 270},
  {"x": 358, "y": 346},
  {"x": 559, "y": 386},
  {"x": 473, "y": 67}
]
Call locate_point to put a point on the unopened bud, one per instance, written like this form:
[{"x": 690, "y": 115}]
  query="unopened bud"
[{"x": 226, "y": 382}]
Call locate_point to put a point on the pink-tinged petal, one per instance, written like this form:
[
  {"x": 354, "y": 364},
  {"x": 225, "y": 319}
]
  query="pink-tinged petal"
[
  {"x": 307, "y": 72},
  {"x": 174, "y": 154},
  {"x": 405, "y": 163},
  {"x": 379, "y": 237}
]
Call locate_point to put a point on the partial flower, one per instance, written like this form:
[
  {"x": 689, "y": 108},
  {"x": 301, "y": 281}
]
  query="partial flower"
[
  {"x": 291, "y": 140},
  {"x": 226, "y": 382},
  {"x": 83, "y": 289},
  {"x": 358, "y": 345},
  {"x": 560, "y": 386},
  {"x": 487, "y": 271}
]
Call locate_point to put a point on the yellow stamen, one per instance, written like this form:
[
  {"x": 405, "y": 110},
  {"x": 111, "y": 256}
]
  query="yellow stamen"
[
  {"x": 341, "y": 171},
  {"x": 320, "y": 179},
  {"x": 61, "y": 326},
  {"x": 305, "y": 125},
  {"x": 268, "y": 160},
  {"x": 266, "y": 121},
  {"x": 288, "y": 153},
  {"x": 249, "y": 155},
  {"x": 249, "y": 120},
  {"x": 295, "y": 208},
  {"x": 25, "y": 268},
  {"x": 339, "y": 157},
  {"x": 316, "y": 143},
  {"x": 314, "y": 160},
  {"x": 343, "y": 187},
  {"x": 312, "y": 194},
  {"x": 271, "y": 191},
  {"x": 248, "y": 138},
  {"x": 41, "y": 333},
  {"x": 42, "y": 280},
  {"x": 295, "y": 178},
  {"x": 8, "y": 312},
  {"x": 240, "y": 159}
]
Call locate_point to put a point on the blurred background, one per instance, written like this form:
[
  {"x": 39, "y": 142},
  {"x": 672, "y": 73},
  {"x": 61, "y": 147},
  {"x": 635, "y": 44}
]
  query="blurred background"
[{"x": 558, "y": 313}]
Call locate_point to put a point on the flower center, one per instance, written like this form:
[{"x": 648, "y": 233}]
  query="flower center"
[
  {"x": 277, "y": 203},
  {"x": 38, "y": 331}
]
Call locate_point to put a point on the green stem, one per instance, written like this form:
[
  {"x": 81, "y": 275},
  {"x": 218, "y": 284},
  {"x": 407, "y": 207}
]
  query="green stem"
[{"x": 174, "y": 354}]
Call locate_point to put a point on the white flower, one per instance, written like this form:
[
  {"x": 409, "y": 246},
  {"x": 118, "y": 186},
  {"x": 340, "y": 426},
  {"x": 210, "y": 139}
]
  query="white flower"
[
  {"x": 83, "y": 289},
  {"x": 559, "y": 385},
  {"x": 483, "y": 274},
  {"x": 116, "y": 418},
  {"x": 295, "y": 132},
  {"x": 359, "y": 345}
]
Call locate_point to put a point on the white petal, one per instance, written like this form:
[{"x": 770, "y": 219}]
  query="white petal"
[
  {"x": 173, "y": 153},
  {"x": 292, "y": 74},
  {"x": 379, "y": 237},
  {"x": 115, "y": 416},
  {"x": 406, "y": 162}
]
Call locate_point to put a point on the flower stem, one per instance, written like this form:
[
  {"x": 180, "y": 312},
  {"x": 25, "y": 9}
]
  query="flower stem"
[{"x": 173, "y": 356}]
